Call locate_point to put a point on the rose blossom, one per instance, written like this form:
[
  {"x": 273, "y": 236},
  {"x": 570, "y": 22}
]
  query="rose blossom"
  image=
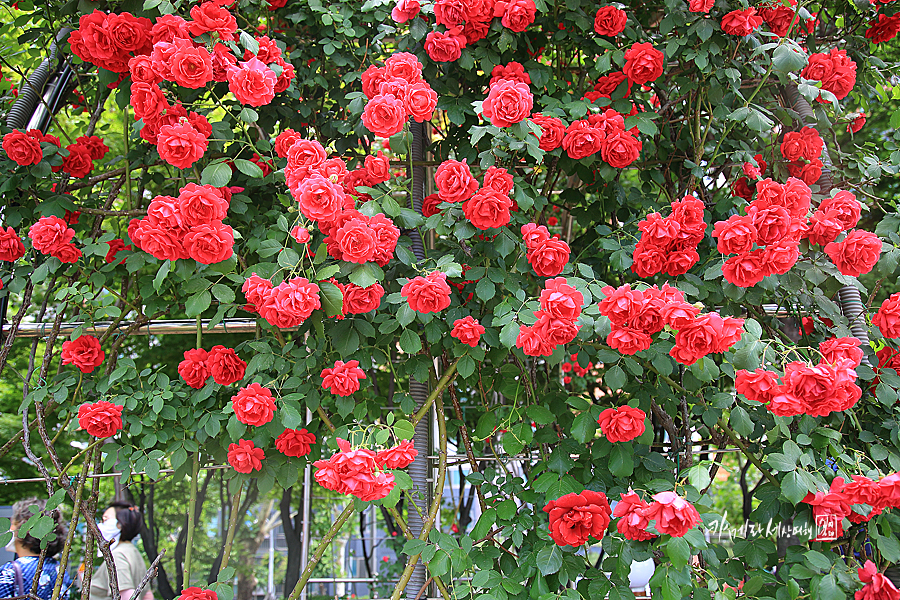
[
  {"x": 488, "y": 209},
  {"x": 856, "y": 254},
  {"x": 101, "y": 419},
  {"x": 575, "y": 518},
  {"x": 745, "y": 270},
  {"x": 405, "y": 10},
  {"x": 427, "y": 294},
  {"x": 49, "y": 233},
  {"x": 443, "y": 47},
  {"x": 295, "y": 442},
  {"x": 560, "y": 299},
  {"x": 210, "y": 243},
  {"x": 181, "y": 145},
  {"x": 737, "y": 235},
  {"x": 319, "y": 198},
  {"x": 22, "y": 148},
  {"x": 454, "y": 181},
  {"x": 549, "y": 258},
  {"x": 190, "y": 66},
  {"x": 360, "y": 300},
  {"x": 420, "y": 101},
  {"x": 622, "y": 424},
  {"x": 225, "y": 365},
  {"x": 193, "y": 368},
  {"x": 552, "y": 132},
  {"x": 741, "y": 22},
  {"x": 508, "y": 102},
  {"x": 254, "y": 405},
  {"x": 84, "y": 352},
  {"x": 343, "y": 378},
  {"x": 758, "y": 386},
  {"x": 397, "y": 457},
  {"x": 467, "y": 330},
  {"x": 245, "y": 457},
  {"x": 643, "y": 63},
  {"x": 11, "y": 246},
  {"x": 518, "y": 14},
  {"x": 887, "y": 319},
  {"x": 632, "y": 521},
  {"x": 212, "y": 17},
  {"x": 700, "y": 6},
  {"x": 384, "y": 115},
  {"x": 195, "y": 593},
  {"x": 200, "y": 205},
  {"x": 252, "y": 82},
  {"x": 610, "y": 21},
  {"x": 673, "y": 515},
  {"x": 290, "y": 303}
]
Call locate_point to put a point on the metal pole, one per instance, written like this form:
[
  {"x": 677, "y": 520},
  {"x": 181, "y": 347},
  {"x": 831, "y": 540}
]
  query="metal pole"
[
  {"x": 270, "y": 590},
  {"x": 307, "y": 501}
]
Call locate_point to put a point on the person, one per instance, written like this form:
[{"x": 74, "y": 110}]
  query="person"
[
  {"x": 121, "y": 523},
  {"x": 17, "y": 577}
]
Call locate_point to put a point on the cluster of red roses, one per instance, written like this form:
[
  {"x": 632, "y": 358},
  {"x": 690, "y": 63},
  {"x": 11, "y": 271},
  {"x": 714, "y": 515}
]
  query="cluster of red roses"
[
  {"x": 245, "y": 457},
  {"x": 670, "y": 244},
  {"x": 100, "y": 419},
  {"x": 465, "y": 22},
  {"x": 547, "y": 255},
  {"x": 323, "y": 191},
  {"x": 835, "y": 70},
  {"x": 601, "y": 132},
  {"x": 802, "y": 150},
  {"x": 815, "y": 390},
  {"x": 24, "y": 148},
  {"x": 225, "y": 366},
  {"x": 286, "y": 305},
  {"x": 636, "y": 315},
  {"x": 189, "y": 226},
  {"x": 574, "y": 367},
  {"x": 843, "y": 498},
  {"x": 396, "y": 92},
  {"x": 884, "y": 28},
  {"x": 84, "y": 352},
  {"x": 622, "y": 424},
  {"x": 362, "y": 472},
  {"x": 486, "y": 207},
  {"x": 49, "y": 235},
  {"x": 887, "y": 319},
  {"x": 557, "y": 318},
  {"x": 575, "y": 518},
  {"x": 342, "y": 379}
]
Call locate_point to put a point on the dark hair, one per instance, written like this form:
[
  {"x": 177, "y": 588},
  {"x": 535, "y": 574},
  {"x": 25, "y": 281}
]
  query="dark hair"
[
  {"x": 129, "y": 518},
  {"x": 24, "y": 510}
]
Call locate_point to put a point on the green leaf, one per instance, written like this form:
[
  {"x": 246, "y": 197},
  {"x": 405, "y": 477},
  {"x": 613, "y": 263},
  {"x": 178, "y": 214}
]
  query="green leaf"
[
  {"x": 741, "y": 421},
  {"x": 332, "y": 298},
  {"x": 216, "y": 175},
  {"x": 248, "y": 42},
  {"x": 679, "y": 551},
  {"x": 615, "y": 378},
  {"x": 509, "y": 333},
  {"x": 366, "y": 274},
  {"x": 248, "y": 168},
  {"x": 248, "y": 115},
  {"x": 161, "y": 274},
  {"x": 223, "y": 293},
  {"x": 793, "y": 487},
  {"x": 404, "y": 429},
  {"x": 197, "y": 303},
  {"x": 787, "y": 58},
  {"x": 621, "y": 460},
  {"x": 466, "y": 366},
  {"x": 485, "y": 290},
  {"x": 584, "y": 427},
  {"x": 410, "y": 342},
  {"x": 549, "y": 559}
]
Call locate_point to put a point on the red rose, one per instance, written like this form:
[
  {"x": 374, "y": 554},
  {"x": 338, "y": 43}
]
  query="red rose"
[
  {"x": 575, "y": 518},
  {"x": 513, "y": 71},
  {"x": 253, "y": 405},
  {"x": 779, "y": 18},
  {"x": 372, "y": 78},
  {"x": 443, "y": 47},
  {"x": 883, "y": 29},
  {"x": 343, "y": 379},
  {"x": 404, "y": 65},
  {"x": 101, "y": 419},
  {"x": 552, "y": 132},
  {"x": 398, "y": 457},
  {"x": 488, "y": 209},
  {"x": 22, "y": 148},
  {"x": 356, "y": 241},
  {"x": 222, "y": 60},
  {"x": 129, "y": 33},
  {"x": 758, "y": 386},
  {"x": 741, "y": 22},
  {"x": 384, "y": 115},
  {"x": 553, "y": 330},
  {"x": 160, "y": 241},
  {"x": 225, "y": 366},
  {"x": 887, "y": 319},
  {"x": 430, "y": 205},
  {"x": 835, "y": 70},
  {"x": 78, "y": 163},
  {"x": 583, "y": 140},
  {"x": 50, "y": 233},
  {"x": 561, "y": 300},
  {"x": 737, "y": 235},
  {"x": 498, "y": 179},
  {"x": 319, "y": 198},
  {"x": 844, "y": 208},
  {"x": 531, "y": 342},
  {"x": 467, "y": 330},
  {"x": 643, "y": 63},
  {"x": 84, "y": 352},
  {"x": 244, "y": 456},
  {"x": 252, "y": 82},
  {"x": 772, "y": 224},
  {"x": 256, "y": 289},
  {"x": 825, "y": 227},
  {"x": 700, "y": 6},
  {"x": 859, "y": 122},
  {"x": 285, "y": 140},
  {"x": 386, "y": 236},
  {"x": 621, "y": 304},
  {"x": 796, "y": 197},
  {"x": 856, "y": 254},
  {"x": 210, "y": 243},
  {"x": 809, "y": 172},
  {"x": 674, "y": 516},
  {"x": 836, "y": 349},
  {"x": 608, "y": 84},
  {"x": 378, "y": 168},
  {"x": 508, "y": 102},
  {"x": 295, "y": 442},
  {"x": 518, "y": 15},
  {"x": 167, "y": 28},
  {"x": 706, "y": 334},
  {"x": 549, "y": 258},
  {"x": 630, "y": 510},
  {"x": 193, "y": 368},
  {"x": 622, "y": 424},
  {"x": 610, "y": 21},
  {"x": 212, "y": 17},
  {"x": 780, "y": 257},
  {"x": 195, "y": 593},
  {"x": 427, "y": 294},
  {"x": 201, "y": 205},
  {"x": 11, "y": 246},
  {"x": 420, "y": 101},
  {"x": 454, "y": 181},
  {"x": 191, "y": 66},
  {"x": 405, "y": 10},
  {"x": 792, "y": 146},
  {"x": 181, "y": 145},
  {"x": 451, "y": 13},
  {"x": 620, "y": 149},
  {"x": 148, "y": 101},
  {"x": 290, "y": 303},
  {"x": 360, "y": 300},
  {"x": 628, "y": 340}
]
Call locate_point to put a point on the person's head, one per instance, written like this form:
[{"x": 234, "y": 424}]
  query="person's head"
[
  {"x": 128, "y": 518},
  {"x": 30, "y": 545}
]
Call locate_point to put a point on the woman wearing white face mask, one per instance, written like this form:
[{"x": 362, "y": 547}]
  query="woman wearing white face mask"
[
  {"x": 17, "y": 577},
  {"x": 121, "y": 524}
]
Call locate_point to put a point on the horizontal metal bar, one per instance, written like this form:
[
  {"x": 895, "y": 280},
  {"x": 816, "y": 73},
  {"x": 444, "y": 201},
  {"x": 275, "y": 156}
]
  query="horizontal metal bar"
[
  {"x": 104, "y": 475},
  {"x": 189, "y": 326}
]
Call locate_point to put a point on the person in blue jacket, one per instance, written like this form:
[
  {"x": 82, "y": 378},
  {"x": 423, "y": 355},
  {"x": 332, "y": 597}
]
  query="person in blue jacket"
[{"x": 17, "y": 577}]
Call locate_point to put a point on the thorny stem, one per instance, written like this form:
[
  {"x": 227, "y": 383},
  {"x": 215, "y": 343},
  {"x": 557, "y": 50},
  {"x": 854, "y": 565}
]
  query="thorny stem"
[
  {"x": 232, "y": 526},
  {"x": 438, "y": 390},
  {"x": 192, "y": 505}
]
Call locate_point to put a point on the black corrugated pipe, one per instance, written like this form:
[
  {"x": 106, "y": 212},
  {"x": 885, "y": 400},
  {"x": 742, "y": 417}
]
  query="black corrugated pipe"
[
  {"x": 849, "y": 298},
  {"x": 418, "y": 470}
]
